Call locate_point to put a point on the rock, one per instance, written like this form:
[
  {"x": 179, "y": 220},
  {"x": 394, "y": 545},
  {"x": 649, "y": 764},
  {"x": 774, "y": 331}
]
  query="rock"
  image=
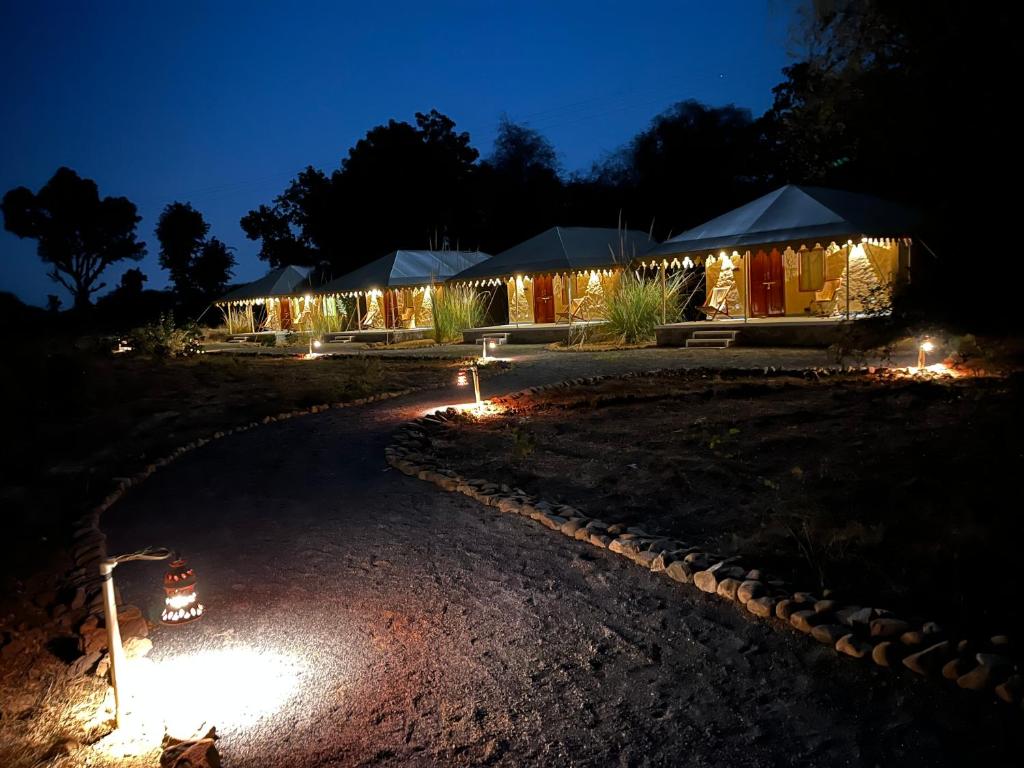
[
  {"x": 785, "y": 608},
  {"x": 1012, "y": 690},
  {"x": 698, "y": 561},
  {"x": 931, "y": 630},
  {"x": 806, "y": 621},
  {"x": 886, "y": 654},
  {"x": 600, "y": 540},
  {"x": 1001, "y": 643},
  {"x": 825, "y": 606},
  {"x": 137, "y": 647},
  {"x": 804, "y": 597},
  {"x": 956, "y": 668},
  {"x": 83, "y": 664},
  {"x": 930, "y": 660},
  {"x": 762, "y": 606},
  {"x": 78, "y": 601},
  {"x": 192, "y": 753},
  {"x": 754, "y": 575},
  {"x": 885, "y": 628},
  {"x": 749, "y": 589},
  {"x": 616, "y": 528},
  {"x": 627, "y": 548},
  {"x": 583, "y": 534},
  {"x": 554, "y": 522},
  {"x": 912, "y": 638},
  {"x": 680, "y": 571},
  {"x": 855, "y": 616},
  {"x": 849, "y": 645},
  {"x": 132, "y": 622},
  {"x": 661, "y": 562},
  {"x": 829, "y": 634},
  {"x": 707, "y": 581},
  {"x": 646, "y": 559},
  {"x": 569, "y": 527},
  {"x": 982, "y": 677},
  {"x": 728, "y": 588}
]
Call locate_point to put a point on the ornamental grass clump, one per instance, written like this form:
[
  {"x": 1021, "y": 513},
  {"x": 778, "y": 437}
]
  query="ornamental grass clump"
[
  {"x": 455, "y": 307},
  {"x": 634, "y": 307}
]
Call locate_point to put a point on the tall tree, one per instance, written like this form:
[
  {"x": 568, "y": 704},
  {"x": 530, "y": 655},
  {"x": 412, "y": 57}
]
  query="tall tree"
[
  {"x": 78, "y": 233},
  {"x": 520, "y": 186},
  {"x": 400, "y": 186},
  {"x": 200, "y": 267},
  {"x": 181, "y": 231},
  {"x": 908, "y": 101}
]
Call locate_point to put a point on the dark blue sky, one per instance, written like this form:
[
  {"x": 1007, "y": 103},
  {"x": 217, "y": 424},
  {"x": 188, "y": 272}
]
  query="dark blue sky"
[{"x": 220, "y": 104}]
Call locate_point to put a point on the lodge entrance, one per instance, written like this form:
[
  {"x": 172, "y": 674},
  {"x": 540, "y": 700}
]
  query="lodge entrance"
[
  {"x": 543, "y": 299},
  {"x": 767, "y": 284}
]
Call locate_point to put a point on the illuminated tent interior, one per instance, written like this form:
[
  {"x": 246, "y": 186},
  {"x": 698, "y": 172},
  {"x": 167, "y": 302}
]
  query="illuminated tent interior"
[
  {"x": 797, "y": 252},
  {"x": 561, "y": 274},
  {"x": 395, "y": 291},
  {"x": 281, "y": 300}
]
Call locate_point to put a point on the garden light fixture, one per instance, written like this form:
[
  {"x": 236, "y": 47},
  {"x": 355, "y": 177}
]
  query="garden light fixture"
[
  {"x": 923, "y": 349},
  {"x": 463, "y": 380},
  {"x": 181, "y": 604},
  {"x": 181, "y": 595}
]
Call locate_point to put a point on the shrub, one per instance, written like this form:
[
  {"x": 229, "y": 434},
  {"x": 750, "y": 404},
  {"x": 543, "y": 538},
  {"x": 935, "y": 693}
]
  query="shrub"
[
  {"x": 164, "y": 339},
  {"x": 456, "y": 307},
  {"x": 633, "y": 308}
]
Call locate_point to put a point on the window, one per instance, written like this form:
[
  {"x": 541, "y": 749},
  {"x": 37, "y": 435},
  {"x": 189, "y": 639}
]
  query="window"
[{"x": 812, "y": 270}]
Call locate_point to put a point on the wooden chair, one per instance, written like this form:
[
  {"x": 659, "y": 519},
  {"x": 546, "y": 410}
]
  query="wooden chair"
[
  {"x": 717, "y": 303},
  {"x": 574, "y": 312},
  {"x": 825, "y": 298}
]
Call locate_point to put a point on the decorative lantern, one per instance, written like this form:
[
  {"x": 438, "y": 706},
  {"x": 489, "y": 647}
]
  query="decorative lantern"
[
  {"x": 462, "y": 379},
  {"x": 181, "y": 604}
]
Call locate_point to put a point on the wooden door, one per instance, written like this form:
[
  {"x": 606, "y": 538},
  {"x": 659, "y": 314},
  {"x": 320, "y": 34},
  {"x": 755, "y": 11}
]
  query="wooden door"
[
  {"x": 767, "y": 284},
  {"x": 543, "y": 300}
]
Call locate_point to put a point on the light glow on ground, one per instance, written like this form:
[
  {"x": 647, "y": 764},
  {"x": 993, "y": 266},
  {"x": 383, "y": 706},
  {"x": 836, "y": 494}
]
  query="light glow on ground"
[
  {"x": 479, "y": 410},
  {"x": 185, "y": 694}
]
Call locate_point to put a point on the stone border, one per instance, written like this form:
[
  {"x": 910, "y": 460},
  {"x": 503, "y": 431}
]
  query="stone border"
[{"x": 855, "y": 631}]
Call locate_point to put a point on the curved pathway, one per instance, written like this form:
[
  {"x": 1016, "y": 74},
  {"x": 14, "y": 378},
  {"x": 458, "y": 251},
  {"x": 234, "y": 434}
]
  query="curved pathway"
[{"x": 405, "y": 626}]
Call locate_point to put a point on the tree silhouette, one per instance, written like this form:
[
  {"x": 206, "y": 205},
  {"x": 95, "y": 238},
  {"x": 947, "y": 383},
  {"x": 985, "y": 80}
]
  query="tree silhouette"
[
  {"x": 199, "y": 267},
  {"x": 131, "y": 281},
  {"x": 78, "y": 233}
]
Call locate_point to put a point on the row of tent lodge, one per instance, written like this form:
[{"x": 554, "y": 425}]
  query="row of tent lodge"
[{"x": 796, "y": 253}]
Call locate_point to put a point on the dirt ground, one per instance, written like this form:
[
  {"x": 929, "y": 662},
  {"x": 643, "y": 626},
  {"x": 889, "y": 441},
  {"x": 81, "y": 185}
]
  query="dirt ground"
[{"x": 896, "y": 494}]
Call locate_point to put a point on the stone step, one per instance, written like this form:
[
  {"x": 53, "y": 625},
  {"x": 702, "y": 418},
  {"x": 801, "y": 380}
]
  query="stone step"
[
  {"x": 709, "y": 343},
  {"x": 338, "y": 338},
  {"x": 715, "y": 335}
]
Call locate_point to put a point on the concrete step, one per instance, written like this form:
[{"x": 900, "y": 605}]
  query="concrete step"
[
  {"x": 338, "y": 338},
  {"x": 715, "y": 335},
  {"x": 709, "y": 343}
]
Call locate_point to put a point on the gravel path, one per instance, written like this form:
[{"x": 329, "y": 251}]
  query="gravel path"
[{"x": 405, "y": 626}]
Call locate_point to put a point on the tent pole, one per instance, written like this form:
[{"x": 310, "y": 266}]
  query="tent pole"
[
  {"x": 570, "y": 278},
  {"x": 748, "y": 262},
  {"x": 847, "y": 281},
  {"x": 252, "y": 320},
  {"x": 664, "y": 294}
]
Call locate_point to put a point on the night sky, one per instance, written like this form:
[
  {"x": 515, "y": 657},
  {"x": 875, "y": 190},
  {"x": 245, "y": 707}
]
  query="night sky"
[{"x": 220, "y": 104}]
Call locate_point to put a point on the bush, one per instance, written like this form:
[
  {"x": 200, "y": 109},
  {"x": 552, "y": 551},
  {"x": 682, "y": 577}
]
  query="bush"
[
  {"x": 454, "y": 308},
  {"x": 633, "y": 309},
  {"x": 164, "y": 339}
]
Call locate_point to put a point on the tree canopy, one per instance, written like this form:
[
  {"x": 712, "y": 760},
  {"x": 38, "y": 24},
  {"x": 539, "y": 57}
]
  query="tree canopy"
[
  {"x": 79, "y": 233},
  {"x": 199, "y": 266}
]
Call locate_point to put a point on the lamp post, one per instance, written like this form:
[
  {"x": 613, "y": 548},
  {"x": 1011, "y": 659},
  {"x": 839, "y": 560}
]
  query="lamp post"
[
  {"x": 923, "y": 349},
  {"x": 176, "y": 588},
  {"x": 462, "y": 380}
]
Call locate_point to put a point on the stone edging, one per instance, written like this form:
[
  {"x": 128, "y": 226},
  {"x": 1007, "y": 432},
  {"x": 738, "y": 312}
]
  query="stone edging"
[{"x": 855, "y": 631}]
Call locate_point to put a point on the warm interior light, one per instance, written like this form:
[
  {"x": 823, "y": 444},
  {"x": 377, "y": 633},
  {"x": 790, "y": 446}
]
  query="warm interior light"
[
  {"x": 927, "y": 346},
  {"x": 492, "y": 344},
  {"x": 462, "y": 379},
  {"x": 317, "y": 343},
  {"x": 181, "y": 604}
]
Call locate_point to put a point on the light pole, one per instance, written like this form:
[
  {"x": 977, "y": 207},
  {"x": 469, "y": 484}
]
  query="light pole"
[
  {"x": 925, "y": 347},
  {"x": 180, "y": 581},
  {"x": 463, "y": 380}
]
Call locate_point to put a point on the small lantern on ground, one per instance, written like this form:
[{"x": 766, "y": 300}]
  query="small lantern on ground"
[
  {"x": 181, "y": 603},
  {"x": 923, "y": 349}
]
